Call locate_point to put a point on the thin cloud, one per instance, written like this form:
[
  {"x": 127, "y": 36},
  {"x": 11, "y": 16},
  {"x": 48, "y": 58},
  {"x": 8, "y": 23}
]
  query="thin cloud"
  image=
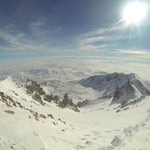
[
  {"x": 135, "y": 54},
  {"x": 107, "y": 36},
  {"x": 140, "y": 52},
  {"x": 13, "y": 40},
  {"x": 92, "y": 47},
  {"x": 39, "y": 28},
  {"x": 20, "y": 42},
  {"x": 38, "y": 23},
  {"x": 142, "y": 57},
  {"x": 104, "y": 31}
]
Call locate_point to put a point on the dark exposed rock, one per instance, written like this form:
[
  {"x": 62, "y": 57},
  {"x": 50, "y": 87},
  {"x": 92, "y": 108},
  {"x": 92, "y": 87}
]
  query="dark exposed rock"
[
  {"x": 38, "y": 98},
  {"x": 50, "y": 116},
  {"x": 7, "y": 100},
  {"x": 48, "y": 98},
  {"x": 68, "y": 103},
  {"x": 35, "y": 90},
  {"x": 83, "y": 103},
  {"x": 9, "y": 112},
  {"x": 33, "y": 86}
]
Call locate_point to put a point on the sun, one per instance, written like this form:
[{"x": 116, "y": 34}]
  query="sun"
[{"x": 134, "y": 13}]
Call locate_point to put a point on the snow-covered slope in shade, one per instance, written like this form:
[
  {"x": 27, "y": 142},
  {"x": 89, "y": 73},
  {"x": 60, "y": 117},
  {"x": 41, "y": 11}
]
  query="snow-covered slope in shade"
[{"x": 118, "y": 86}]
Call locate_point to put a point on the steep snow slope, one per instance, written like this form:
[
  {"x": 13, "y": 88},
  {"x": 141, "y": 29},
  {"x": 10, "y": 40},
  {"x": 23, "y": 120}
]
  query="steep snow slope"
[
  {"x": 119, "y": 86},
  {"x": 26, "y": 124}
]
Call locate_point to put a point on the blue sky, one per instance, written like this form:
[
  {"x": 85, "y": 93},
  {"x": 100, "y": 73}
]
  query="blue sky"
[{"x": 38, "y": 28}]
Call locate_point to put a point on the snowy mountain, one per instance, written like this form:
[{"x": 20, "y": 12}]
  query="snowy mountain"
[
  {"x": 31, "y": 119},
  {"x": 122, "y": 88}
]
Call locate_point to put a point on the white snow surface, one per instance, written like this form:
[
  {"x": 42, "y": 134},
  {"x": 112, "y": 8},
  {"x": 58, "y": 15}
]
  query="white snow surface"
[{"x": 96, "y": 127}]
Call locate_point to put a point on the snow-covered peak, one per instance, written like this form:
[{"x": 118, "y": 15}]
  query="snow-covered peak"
[
  {"x": 111, "y": 80},
  {"x": 110, "y": 84},
  {"x": 17, "y": 92},
  {"x": 8, "y": 83}
]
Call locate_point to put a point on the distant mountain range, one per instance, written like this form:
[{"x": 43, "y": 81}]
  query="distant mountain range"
[{"x": 121, "y": 88}]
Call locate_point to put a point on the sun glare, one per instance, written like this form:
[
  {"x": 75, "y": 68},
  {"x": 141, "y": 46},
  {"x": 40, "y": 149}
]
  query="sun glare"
[{"x": 134, "y": 13}]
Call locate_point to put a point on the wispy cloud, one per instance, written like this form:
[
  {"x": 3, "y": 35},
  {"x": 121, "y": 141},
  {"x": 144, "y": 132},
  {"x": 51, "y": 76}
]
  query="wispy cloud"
[
  {"x": 90, "y": 47},
  {"x": 37, "y": 38},
  {"x": 101, "y": 39},
  {"x": 36, "y": 28},
  {"x": 131, "y": 51},
  {"x": 20, "y": 42},
  {"x": 104, "y": 31},
  {"x": 142, "y": 57},
  {"x": 41, "y": 28},
  {"x": 134, "y": 54},
  {"x": 107, "y": 41}
]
